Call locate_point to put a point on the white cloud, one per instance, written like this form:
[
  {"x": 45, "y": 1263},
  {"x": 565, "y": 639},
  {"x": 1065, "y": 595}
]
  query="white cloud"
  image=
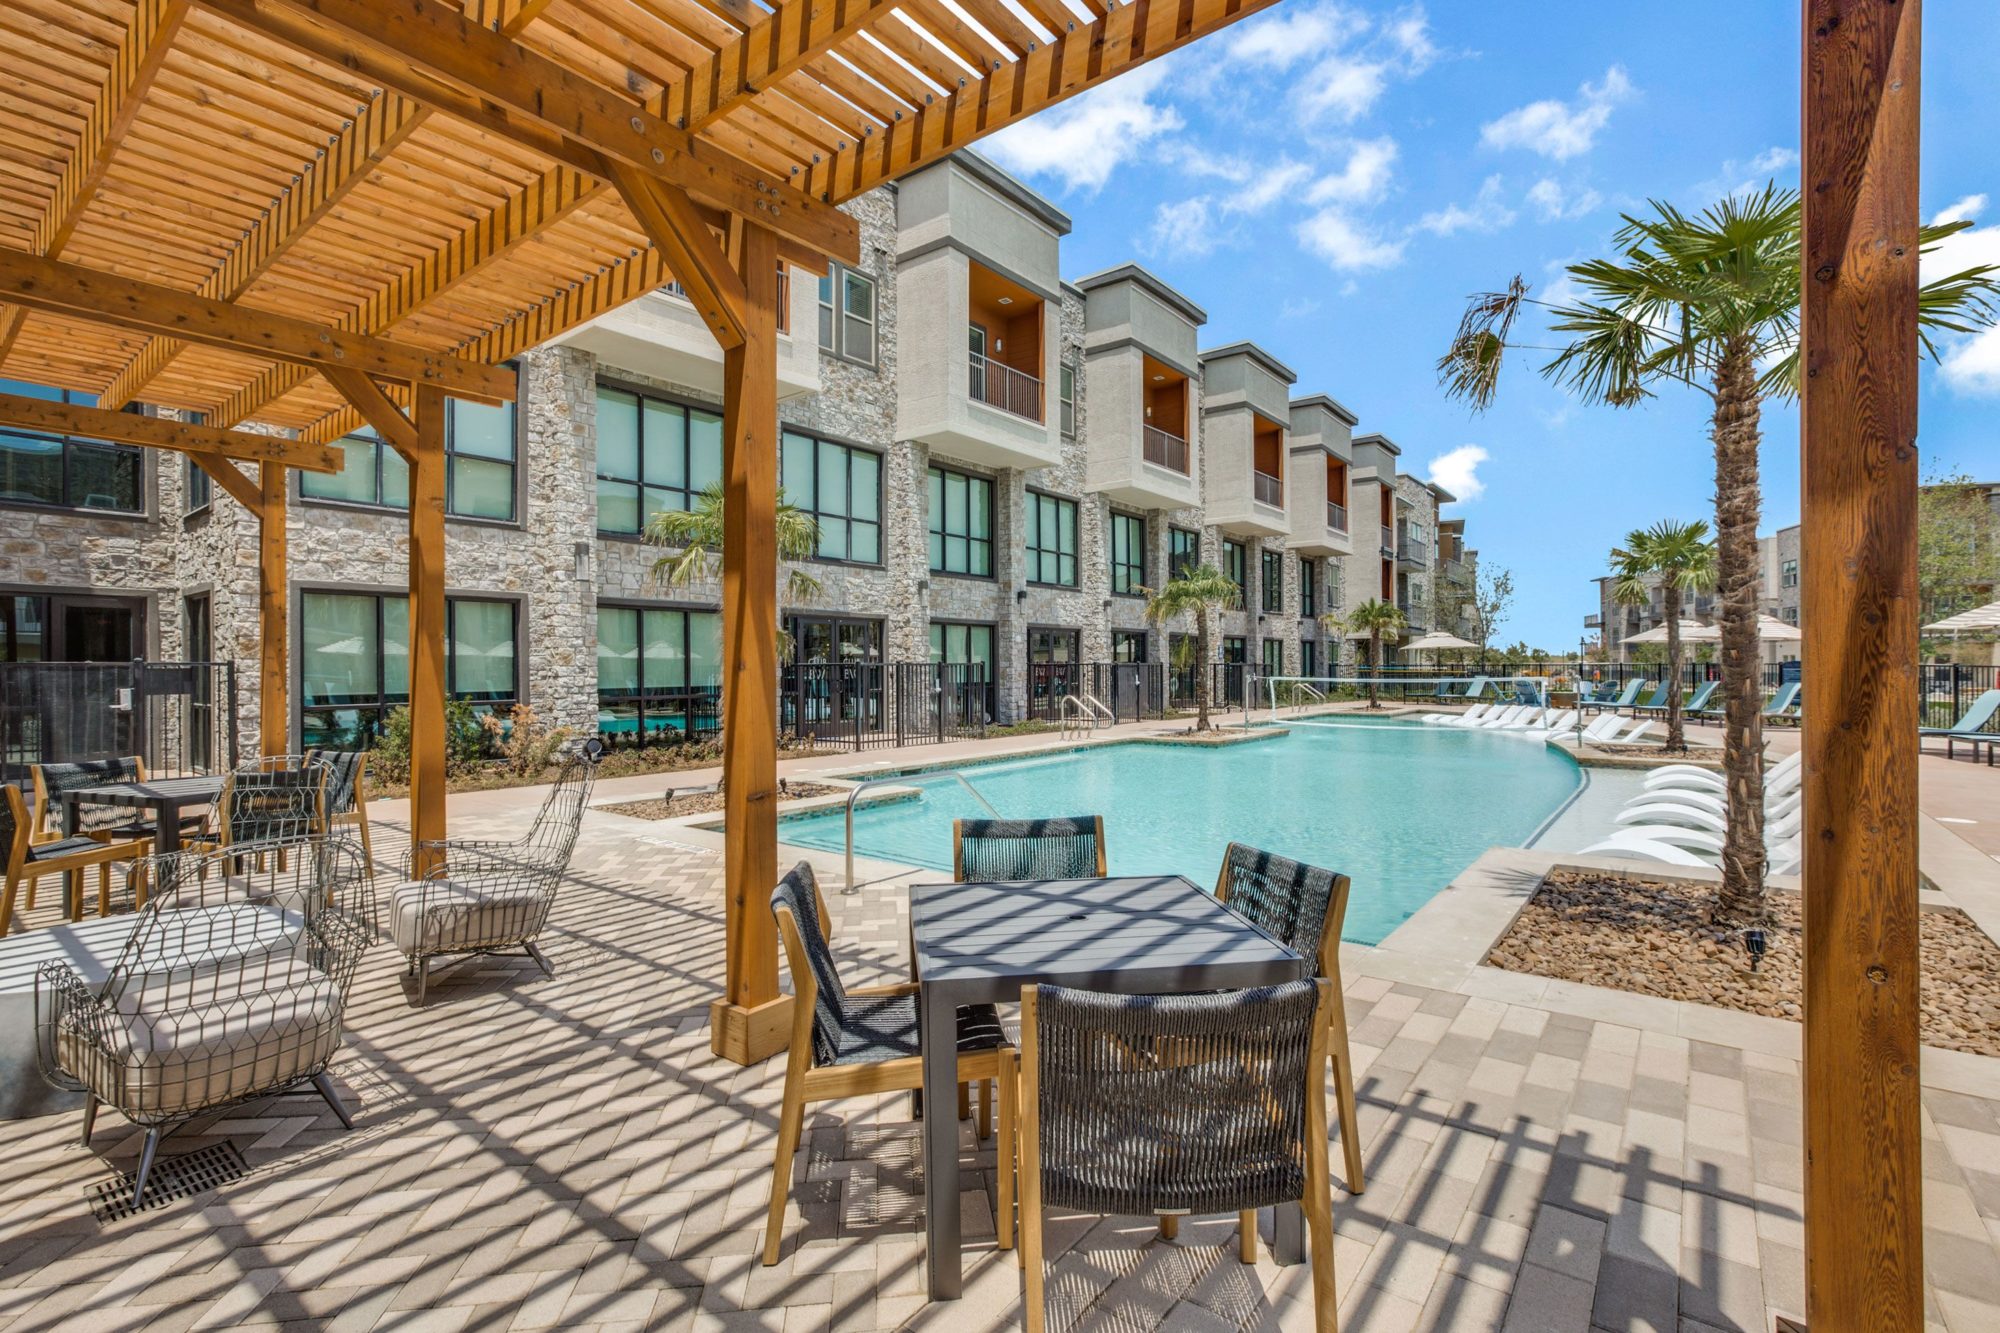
[
  {"x": 1488, "y": 212},
  {"x": 1298, "y": 307},
  {"x": 1557, "y": 129},
  {"x": 1346, "y": 244},
  {"x": 1971, "y": 363},
  {"x": 1183, "y": 229},
  {"x": 1556, "y": 204},
  {"x": 1201, "y": 224},
  {"x": 1084, "y": 140},
  {"x": 1343, "y": 89},
  {"x": 1268, "y": 186},
  {"x": 1291, "y": 35},
  {"x": 1739, "y": 178},
  {"x": 1457, "y": 470},
  {"x": 1410, "y": 33},
  {"x": 1363, "y": 180}
]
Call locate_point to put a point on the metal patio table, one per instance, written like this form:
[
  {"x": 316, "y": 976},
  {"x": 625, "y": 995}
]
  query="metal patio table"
[
  {"x": 1134, "y": 935},
  {"x": 166, "y": 798}
]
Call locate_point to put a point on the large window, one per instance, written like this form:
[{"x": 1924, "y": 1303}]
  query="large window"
[
  {"x": 1128, "y": 555},
  {"x": 1308, "y": 657},
  {"x": 1308, "y": 589},
  {"x": 1271, "y": 580},
  {"x": 652, "y": 455},
  {"x": 354, "y": 661},
  {"x": 954, "y": 643},
  {"x": 961, "y": 523},
  {"x": 1235, "y": 566},
  {"x": 1067, "y": 384},
  {"x": 841, "y": 487},
  {"x": 847, "y": 314},
  {"x": 1128, "y": 645},
  {"x": 1788, "y": 574},
  {"x": 42, "y": 469},
  {"x": 1183, "y": 551},
  {"x": 1274, "y": 657},
  {"x": 480, "y": 453},
  {"x": 1051, "y": 523},
  {"x": 658, "y": 673}
]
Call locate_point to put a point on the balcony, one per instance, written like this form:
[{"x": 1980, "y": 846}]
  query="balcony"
[
  {"x": 1593, "y": 622},
  {"x": 974, "y": 364},
  {"x": 1139, "y": 449},
  {"x": 660, "y": 336},
  {"x": 1388, "y": 542},
  {"x": 1336, "y": 516},
  {"x": 1246, "y": 487},
  {"x": 1164, "y": 450},
  {"x": 1267, "y": 489},
  {"x": 1006, "y": 388},
  {"x": 1414, "y": 614}
]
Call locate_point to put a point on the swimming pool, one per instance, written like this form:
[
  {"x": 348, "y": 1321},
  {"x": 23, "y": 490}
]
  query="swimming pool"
[{"x": 1398, "y": 807}]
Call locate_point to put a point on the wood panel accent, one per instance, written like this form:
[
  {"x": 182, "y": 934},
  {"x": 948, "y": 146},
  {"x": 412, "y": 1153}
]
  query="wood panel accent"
[
  {"x": 427, "y": 617},
  {"x": 749, "y": 649},
  {"x": 452, "y": 65},
  {"x": 66, "y": 289},
  {"x": 274, "y": 709},
  {"x": 94, "y": 423},
  {"x": 1859, "y": 474}
]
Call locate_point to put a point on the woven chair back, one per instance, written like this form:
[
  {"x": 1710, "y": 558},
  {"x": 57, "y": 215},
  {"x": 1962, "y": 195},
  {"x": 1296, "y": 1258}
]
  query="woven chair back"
[
  {"x": 57, "y": 779},
  {"x": 1303, "y": 906},
  {"x": 798, "y": 893},
  {"x": 1004, "y": 849},
  {"x": 552, "y": 837},
  {"x": 279, "y": 800},
  {"x": 343, "y": 772},
  {"x": 1171, "y": 1103}
]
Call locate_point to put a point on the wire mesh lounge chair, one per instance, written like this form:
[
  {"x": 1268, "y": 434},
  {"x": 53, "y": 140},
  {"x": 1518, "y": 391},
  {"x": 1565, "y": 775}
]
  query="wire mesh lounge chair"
[
  {"x": 481, "y": 897},
  {"x": 856, "y": 1041},
  {"x": 984, "y": 850},
  {"x": 27, "y": 860},
  {"x": 232, "y": 987},
  {"x": 1305, "y": 907},
  {"x": 1133, "y": 1105}
]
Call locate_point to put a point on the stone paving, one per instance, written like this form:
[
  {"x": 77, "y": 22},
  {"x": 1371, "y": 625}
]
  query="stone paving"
[{"x": 534, "y": 1153}]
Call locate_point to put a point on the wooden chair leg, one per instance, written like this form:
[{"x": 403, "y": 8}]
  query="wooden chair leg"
[
  {"x": 790, "y": 1119},
  {"x": 1343, "y": 1093},
  {"x": 1246, "y": 1235},
  {"x": 1170, "y": 1226},
  {"x": 985, "y": 1108},
  {"x": 1003, "y": 1154},
  {"x": 7, "y": 902},
  {"x": 29, "y": 905},
  {"x": 367, "y": 849},
  {"x": 1318, "y": 1202},
  {"x": 1030, "y": 1132},
  {"x": 104, "y": 888},
  {"x": 965, "y": 1101}
]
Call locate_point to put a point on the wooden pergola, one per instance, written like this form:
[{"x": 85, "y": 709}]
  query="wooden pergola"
[{"x": 286, "y": 219}]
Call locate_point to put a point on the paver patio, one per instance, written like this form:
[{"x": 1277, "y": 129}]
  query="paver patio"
[{"x": 535, "y": 1153}]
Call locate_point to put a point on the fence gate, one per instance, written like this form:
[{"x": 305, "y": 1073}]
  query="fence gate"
[{"x": 179, "y": 717}]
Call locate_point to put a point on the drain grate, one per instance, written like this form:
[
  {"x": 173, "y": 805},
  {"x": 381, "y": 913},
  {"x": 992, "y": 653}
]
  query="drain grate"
[{"x": 172, "y": 1178}]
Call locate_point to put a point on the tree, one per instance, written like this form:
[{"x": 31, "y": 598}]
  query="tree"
[
  {"x": 1708, "y": 302},
  {"x": 1958, "y": 555},
  {"x": 1197, "y": 592},
  {"x": 1492, "y": 596},
  {"x": 1379, "y": 620},
  {"x": 699, "y": 535},
  {"x": 1680, "y": 558}
]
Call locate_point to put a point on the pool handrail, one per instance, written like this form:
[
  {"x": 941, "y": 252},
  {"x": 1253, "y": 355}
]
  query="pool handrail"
[{"x": 849, "y": 887}]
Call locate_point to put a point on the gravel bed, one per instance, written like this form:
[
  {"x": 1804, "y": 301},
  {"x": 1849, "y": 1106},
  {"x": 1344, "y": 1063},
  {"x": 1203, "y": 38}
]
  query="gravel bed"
[
  {"x": 1654, "y": 938},
  {"x": 1693, "y": 753},
  {"x": 683, "y": 804}
]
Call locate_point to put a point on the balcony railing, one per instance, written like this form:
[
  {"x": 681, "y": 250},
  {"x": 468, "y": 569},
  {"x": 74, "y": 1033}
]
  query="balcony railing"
[
  {"x": 1409, "y": 548},
  {"x": 1593, "y": 622},
  {"x": 1164, "y": 450},
  {"x": 1267, "y": 489},
  {"x": 1006, "y": 388},
  {"x": 1388, "y": 540},
  {"x": 1336, "y": 516}
]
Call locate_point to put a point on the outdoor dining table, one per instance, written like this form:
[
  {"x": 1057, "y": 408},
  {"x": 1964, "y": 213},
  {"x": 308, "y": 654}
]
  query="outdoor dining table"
[
  {"x": 166, "y": 798},
  {"x": 1135, "y": 935}
]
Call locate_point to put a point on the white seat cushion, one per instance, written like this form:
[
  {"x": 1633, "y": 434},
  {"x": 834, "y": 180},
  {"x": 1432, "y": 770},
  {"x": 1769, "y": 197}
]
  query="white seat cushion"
[{"x": 442, "y": 916}]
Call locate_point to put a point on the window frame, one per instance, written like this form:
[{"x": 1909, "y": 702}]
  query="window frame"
[
  {"x": 1236, "y": 567},
  {"x": 1035, "y": 554},
  {"x": 1788, "y": 574},
  {"x": 1271, "y": 591},
  {"x": 191, "y": 473},
  {"x": 1175, "y": 568},
  {"x": 70, "y": 445},
  {"x": 382, "y": 449},
  {"x": 820, "y": 517},
  {"x": 697, "y": 705},
  {"x": 934, "y": 524},
  {"x": 1308, "y": 588},
  {"x": 1066, "y": 373},
  {"x": 599, "y": 476},
  {"x": 831, "y": 306},
  {"x": 1134, "y": 570}
]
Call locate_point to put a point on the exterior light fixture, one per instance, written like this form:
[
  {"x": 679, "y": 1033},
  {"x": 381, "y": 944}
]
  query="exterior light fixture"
[
  {"x": 582, "y": 553},
  {"x": 1756, "y": 944},
  {"x": 1006, "y": 300}
]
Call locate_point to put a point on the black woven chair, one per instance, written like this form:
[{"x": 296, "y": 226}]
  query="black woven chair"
[
  {"x": 477, "y": 897},
  {"x": 347, "y": 794},
  {"x": 232, "y": 987},
  {"x": 1136, "y": 1105},
  {"x": 858, "y": 1041},
  {"x": 275, "y": 801},
  {"x": 53, "y": 781},
  {"x": 1304, "y": 906},
  {"x": 26, "y": 860},
  {"x": 984, "y": 850}
]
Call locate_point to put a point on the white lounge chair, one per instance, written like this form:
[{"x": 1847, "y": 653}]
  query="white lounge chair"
[
  {"x": 1671, "y": 775},
  {"x": 1639, "y": 731},
  {"x": 1505, "y": 717},
  {"x": 1643, "y": 842},
  {"x": 1704, "y": 793},
  {"x": 1454, "y": 719},
  {"x": 1556, "y": 721},
  {"x": 1499, "y": 713},
  {"x": 1601, "y": 729},
  {"x": 1778, "y": 823}
]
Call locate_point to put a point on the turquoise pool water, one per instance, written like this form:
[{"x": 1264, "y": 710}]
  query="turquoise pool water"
[{"x": 1400, "y": 808}]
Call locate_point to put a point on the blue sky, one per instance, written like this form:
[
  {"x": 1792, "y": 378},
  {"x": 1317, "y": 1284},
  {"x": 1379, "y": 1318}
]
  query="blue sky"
[{"x": 1331, "y": 180}]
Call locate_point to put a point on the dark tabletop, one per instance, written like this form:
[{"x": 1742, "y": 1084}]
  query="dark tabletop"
[{"x": 181, "y": 790}]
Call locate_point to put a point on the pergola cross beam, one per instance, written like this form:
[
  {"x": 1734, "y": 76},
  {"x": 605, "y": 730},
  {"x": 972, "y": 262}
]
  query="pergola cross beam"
[{"x": 97, "y": 423}]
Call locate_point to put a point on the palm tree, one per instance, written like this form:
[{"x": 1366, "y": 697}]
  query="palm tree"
[
  {"x": 1379, "y": 620},
  {"x": 699, "y": 535},
  {"x": 1682, "y": 559},
  {"x": 1708, "y": 302},
  {"x": 1197, "y": 592}
]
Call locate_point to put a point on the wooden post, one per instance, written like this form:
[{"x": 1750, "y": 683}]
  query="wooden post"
[
  {"x": 427, "y": 613},
  {"x": 1859, "y": 469},
  {"x": 749, "y": 1022},
  {"x": 273, "y": 699}
]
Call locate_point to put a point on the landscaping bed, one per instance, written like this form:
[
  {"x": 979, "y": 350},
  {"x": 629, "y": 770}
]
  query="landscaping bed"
[
  {"x": 681, "y": 804},
  {"x": 1652, "y": 937},
  {"x": 1693, "y": 754}
]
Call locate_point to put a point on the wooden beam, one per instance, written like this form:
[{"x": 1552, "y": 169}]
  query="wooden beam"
[
  {"x": 1128, "y": 36},
  {"x": 225, "y": 474},
  {"x": 437, "y": 56},
  {"x": 526, "y": 214},
  {"x": 376, "y": 408},
  {"x": 740, "y": 1026},
  {"x": 274, "y": 710},
  {"x": 1859, "y": 477},
  {"x": 65, "y": 289},
  {"x": 670, "y": 222},
  {"x": 790, "y": 37},
  {"x": 94, "y": 423},
  {"x": 427, "y": 615}
]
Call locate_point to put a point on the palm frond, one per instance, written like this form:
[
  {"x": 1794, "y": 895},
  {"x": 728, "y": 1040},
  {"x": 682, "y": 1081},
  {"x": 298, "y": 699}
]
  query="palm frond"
[
  {"x": 1197, "y": 592},
  {"x": 1470, "y": 368}
]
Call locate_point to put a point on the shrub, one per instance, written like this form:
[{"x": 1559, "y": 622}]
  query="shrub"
[
  {"x": 464, "y": 742},
  {"x": 523, "y": 741}
]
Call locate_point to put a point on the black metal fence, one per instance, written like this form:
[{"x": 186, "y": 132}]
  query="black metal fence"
[
  {"x": 1948, "y": 689},
  {"x": 1131, "y": 691},
  {"x": 637, "y": 718},
  {"x": 866, "y": 705},
  {"x": 179, "y": 717}
]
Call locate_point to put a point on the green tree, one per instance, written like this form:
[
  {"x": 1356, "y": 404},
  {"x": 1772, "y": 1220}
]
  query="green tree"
[
  {"x": 1492, "y": 596},
  {"x": 1708, "y": 302},
  {"x": 1680, "y": 558},
  {"x": 698, "y": 536},
  {"x": 1379, "y": 620},
  {"x": 1958, "y": 554},
  {"x": 1196, "y": 593}
]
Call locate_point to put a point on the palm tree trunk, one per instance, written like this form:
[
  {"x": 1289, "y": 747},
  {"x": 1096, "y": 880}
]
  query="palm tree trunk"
[
  {"x": 1737, "y": 505},
  {"x": 1201, "y": 671},
  {"x": 1676, "y": 737},
  {"x": 1374, "y": 665}
]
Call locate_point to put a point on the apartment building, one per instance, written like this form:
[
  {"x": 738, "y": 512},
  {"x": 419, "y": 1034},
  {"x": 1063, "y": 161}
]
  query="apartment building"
[{"x": 999, "y": 462}]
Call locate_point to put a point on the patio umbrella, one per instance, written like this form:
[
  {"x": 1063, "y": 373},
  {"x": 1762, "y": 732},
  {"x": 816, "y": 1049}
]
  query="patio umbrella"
[
  {"x": 1769, "y": 628},
  {"x": 1984, "y": 617},
  {"x": 1691, "y": 632},
  {"x": 1437, "y": 641}
]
